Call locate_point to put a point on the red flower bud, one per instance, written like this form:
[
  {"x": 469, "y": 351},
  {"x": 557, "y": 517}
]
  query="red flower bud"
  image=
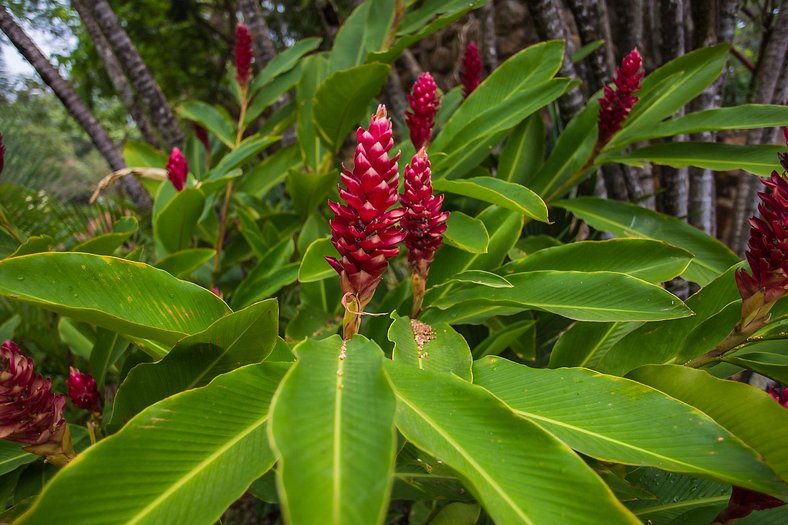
[
  {"x": 82, "y": 390},
  {"x": 423, "y": 222},
  {"x": 243, "y": 54},
  {"x": 177, "y": 169},
  {"x": 2, "y": 153},
  {"x": 780, "y": 396},
  {"x": 616, "y": 105},
  {"x": 29, "y": 412},
  {"x": 471, "y": 75},
  {"x": 364, "y": 233},
  {"x": 423, "y": 108}
]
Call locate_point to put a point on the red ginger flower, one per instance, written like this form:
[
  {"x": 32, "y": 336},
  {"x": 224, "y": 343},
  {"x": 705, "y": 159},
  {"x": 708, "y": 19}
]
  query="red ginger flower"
[
  {"x": 471, "y": 75},
  {"x": 29, "y": 412},
  {"x": 616, "y": 105},
  {"x": 424, "y": 105},
  {"x": 82, "y": 390},
  {"x": 364, "y": 233},
  {"x": 243, "y": 55},
  {"x": 177, "y": 169}
]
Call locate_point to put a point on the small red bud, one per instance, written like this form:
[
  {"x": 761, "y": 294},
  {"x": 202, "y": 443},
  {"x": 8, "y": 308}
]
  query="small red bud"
[
  {"x": 471, "y": 75},
  {"x": 616, "y": 105},
  {"x": 82, "y": 390},
  {"x": 243, "y": 54},
  {"x": 177, "y": 169}
]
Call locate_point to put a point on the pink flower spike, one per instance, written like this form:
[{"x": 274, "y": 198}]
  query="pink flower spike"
[
  {"x": 82, "y": 390},
  {"x": 177, "y": 169},
  {"x": 424, "y": 105},
  {"x": 471, "y": 75},
  {"x": 616, "y": 105},
  {"x": 243, "y": 55}
]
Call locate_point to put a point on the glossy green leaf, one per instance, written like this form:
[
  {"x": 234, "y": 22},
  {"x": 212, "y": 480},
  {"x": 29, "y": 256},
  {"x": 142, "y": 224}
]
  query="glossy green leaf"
[
  {"x": 271, "y": 93},
  {"x": 309, "y": 190},
  {"x": 246, "y": 150},
  {"x": 584, "y": 296},
  {"x": 585, "y": 344},
  {"x": 141, "y": 154},
  {"x": 771, "y": 364},
  {"x": 276, "y": 257},
  {"x": 312, "y": 150},
  {"x": 185, "y": 261},
  {"x": 521, "y": 157},
  {"x": 748, "y": 413},
  {"x": 496, "y": 191},
  {"x": 270, "y": 172},
  {"x": 128, "y": 297},
  {"x": 348, "y": 49},
  {"x": 623, "y": 219},
  {"x": 756, "y": 159},
  {"x": 34, "y": 244},
  {"x": 333, "y": 430},
  {"x": 501, "y": 338},
  {"x": 438, "y": 347},
  {"x": 459, "y": 162},
  {"x": 12, "y": 456},
  {"x": 80, "y": 337},
  {"x": 108, "y": 348},
  {"x": 342, "y": 100},
  {"x": 519, "y": 472},
  {"x": 457, "y": 513},
  {"x": 150, "y": 471},
  {"x": 466, "y": 233},
  {"x": 314, "y": 266},
  {"x": 174, "y": 225},
  {"x": 623, "y": 421},
  {"x": 107, "y": 243},
  {"x": 284, "y": 61},
  {"x": 211, "y": 119},
  {"x": 652, "y": 261},
  {"x": 479, "y": 277}
]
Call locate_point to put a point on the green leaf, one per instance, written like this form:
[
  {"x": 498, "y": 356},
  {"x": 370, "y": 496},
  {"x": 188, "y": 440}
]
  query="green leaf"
[
  {"x": 284, "y": 61},
  {"x": 765, "y": 357},
  {"x": 34, "y": 244},
  {"x": 312, "y": 151},
  {"x": 747, "y": 412},
  {"x": 258, "y": 281},
  {"x": 270, "y": 172},
  {"x": 652, "y": 261},
  {"x": 107, "y": 243},
  {"x": 586, "y": 344},
  {"x": 174, "y": 225},
  {"x": 109, "y": 346},
  {"x": 438, "y": 348},
  {"x": 184, "y": 262},
  {"x": 271, "y": 93},
  {"x": 128, "y": 297},
  {"x": 150, "y": 471},
  {"x": 623, "y": 219},
  {"x": 314, "y": 266},
  {"x": 584, "y": 296},
  {"x": 457, "y": 514},
  {"x": 466, "y": 233},
  {"x": 501, "y": 338},
  {"x": 521, "y": 157},
  {"x": 496, "y": 191},
  {"x": 623, "y": 422},
  {"x": 460, "y": 161},
  {"x": 247, "y": 149},
  {"x": 309, "y": 190},
  {"x": 586, "y": 50},
  {"x": 143, "y": 155},
  {"x": 9, "y": 326},
  {"x": 243, "y": 337},
  {"x": 211, "y": 119},
  {"x": 479, "y": 277},
  {"x": 79, "y": 337},
  {"x": 519, "y": 472},
  {"x": 342, "y": 101},
  {"x": 12, "y": 456},
  {"x": 333, "y": 430},
  {"x": 348, "y": 49},
  {"x": 757, "y": 159}
]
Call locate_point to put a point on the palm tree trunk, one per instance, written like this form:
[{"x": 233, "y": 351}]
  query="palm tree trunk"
[
  {"x": 115, "y": 73},
  {"x": 63, "y": 90},
  {"x": 139, "y": 74}
]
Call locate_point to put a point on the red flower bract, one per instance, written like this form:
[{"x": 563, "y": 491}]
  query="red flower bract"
[
  {"x": 471, "y": 75},
  {"x": 616, "y": 105},
  {"x": 423, "y": 107},
  {"x": 364, "y": 233},
  {"x": 82, "y": 390},
  {"x": 243, "y": 54},
  {"x": 29, "y": 412},
  {"x": 177, "y": 169}
]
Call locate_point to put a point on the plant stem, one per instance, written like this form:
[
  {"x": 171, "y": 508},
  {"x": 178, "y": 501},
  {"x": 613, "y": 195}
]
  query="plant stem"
[{"x": 737, "y": 336}]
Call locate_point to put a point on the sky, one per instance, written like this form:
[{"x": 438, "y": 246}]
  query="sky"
[{"x": 15, "y": 63}]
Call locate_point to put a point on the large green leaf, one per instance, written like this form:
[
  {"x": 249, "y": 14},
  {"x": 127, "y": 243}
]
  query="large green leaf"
[
  {"x": 519, "y": 472},
  {"x": 12, "y": 456},
  {"x": 183, "y": 460},
  {"x": 623, "y": 421},
  {"x": 765, "y": 357},
  {"x": 284, "y": 61},
  {"x": 756, "y": 159},
  {"x": 584, "y": 296},
  {"x": 750, "y": 414},
  {"x": 211, "y": 119},
  {"x": 652, "y": 261},
  {"x": 239, "y": 155},
  {"x": 270, "y": 172},
  {"x": 623, "y": 219},
  {"x": 313, "y": 265},
  {"x": 466, "y": 233},
  {"x": 271, "y": 93},
  {"x": 521, "y": 157},
  {"x": 128, "y": 297},
  {"x": 439, "y": 348},
  {"x": 342, "y": 100},
  {"x": 348, "y": 49},
  {"x": 312, "y": 150},
  {"x": 496, "y": 191},
  {"x": 185, "y": 261},
  {"x": 333, "y": 430},
  {"x": 238, "y": 339},
  {"x": 585, "y": 344},
  {"x": 174, "y": 225}
]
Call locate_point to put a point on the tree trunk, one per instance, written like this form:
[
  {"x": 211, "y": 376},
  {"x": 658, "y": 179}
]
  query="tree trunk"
[
  {"x": 72, "y": 102},
  {"x": 765, "y": 89},
  {"x": 629, "y": 33},
  {"x": 262, "y": 44},
  {"x": 139, "y": 74},
  {"x": 489, "y": 38},
  {"x": 115, "y": 73}
]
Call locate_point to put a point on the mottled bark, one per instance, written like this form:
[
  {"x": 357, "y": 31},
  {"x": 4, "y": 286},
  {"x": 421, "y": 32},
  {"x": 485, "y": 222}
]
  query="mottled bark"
[
  {"x": 262, "y": 44},
  {"x": 588, "y": 20},
  {"x": 489, "y": 39},
  {"x": 81, "y": 113},
  {"x": 396, "y": 95},
  {"x": 139, "y": 74},
  {"x": 629, "y": 33},
  {"x": 549, "y": 26},
  {"x": 411, "y": 64},
  {"x": 115, "y": 73}
]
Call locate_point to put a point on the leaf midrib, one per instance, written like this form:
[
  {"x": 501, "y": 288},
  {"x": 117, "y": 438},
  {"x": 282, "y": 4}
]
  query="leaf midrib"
[{"x": 681, "y": 504}]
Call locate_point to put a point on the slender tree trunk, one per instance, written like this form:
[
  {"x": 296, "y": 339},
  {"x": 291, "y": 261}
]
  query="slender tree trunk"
[
  {"x": 629, "y": 33},
  {"x": 139, "y": 74},
  {"x": 489, "y": 38},
  {"x": 396, "y": 95},
  {"x": 263, "y": 45},
  {"x": 115, "y": 73},
  {"x": 72, "y": 102},
  {"x": 766, "y": 88}
]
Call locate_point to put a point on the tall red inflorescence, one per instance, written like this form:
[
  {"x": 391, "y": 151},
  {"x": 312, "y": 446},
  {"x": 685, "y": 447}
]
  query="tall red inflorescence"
[
  {"x": 471, "y": 75},
  {"x": 616, "y": 105},
  {"x": 424, "y": 103},
  {"x": 177, "y": 169},
  {"x": 243, "y": 55},
  {"x": 29, "y": 412},
  {"x": 364, "y": 230},
  {"x": 82, "y": 390}
]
